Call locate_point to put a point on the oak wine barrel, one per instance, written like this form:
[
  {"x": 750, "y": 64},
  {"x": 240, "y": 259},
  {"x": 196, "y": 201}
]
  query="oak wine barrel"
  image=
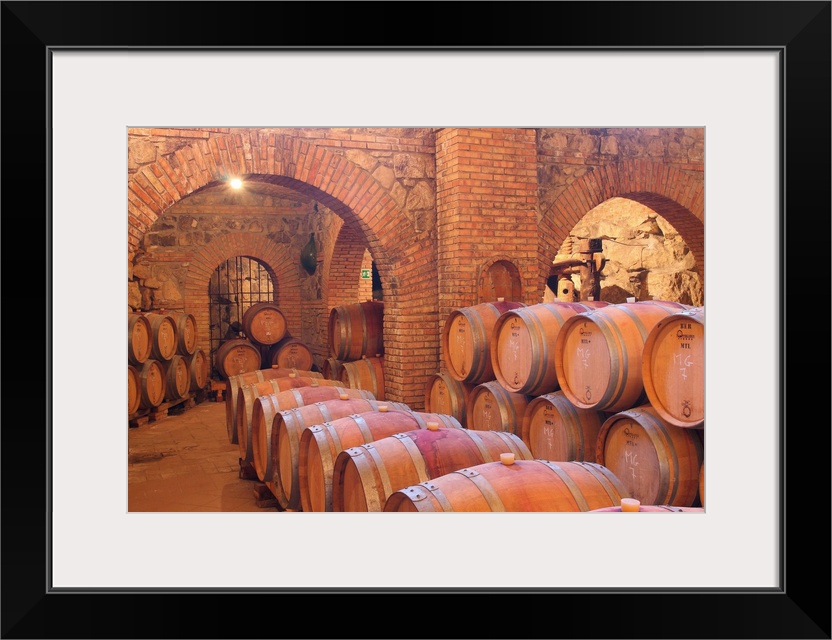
[
  {"x": 466, "y": 340},
  {"x": 288, "y": 427},
  {"x": 555, "y": 429},
  {"x": 264, "y": 323},
  {"x": 320, "y": 445},
  {"x": 267, "y": 406},
  {"x": 332, "y": 368},
  {"x": 673, "y": 368},
  {"x": 446, "y": 394},
  {"x": 356, "y": 330},
  {"x": 363, "y": 477},
  {"x": 237, "y": 356},
  {"x": 186, "y": 332},
  {"x": 291, "y": 353},
  {"x": 164, "y": 334},
  {"x": 152, "y": 377},
  {"x": 134, "y": 390},
  {"x": 491, "y": 407},
  {"x": 657, "y": 462},
  {"x": 177, "y": 378},
  {"x": 367, "y": 374},
  {"x": 245, "y": 405},
  {"x": 521, "y": 486},
  {"x": 233, "y": 384},
  {"x": 598, "y": 354},
  {"x": 139, "y": 338},
  {"x": 198, "y": 368},
  {"x": 523, "y": 345}
]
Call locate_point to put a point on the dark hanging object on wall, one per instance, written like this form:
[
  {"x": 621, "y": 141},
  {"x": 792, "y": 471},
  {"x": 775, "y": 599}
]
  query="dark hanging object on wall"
[{"x": 309, "y": 255}]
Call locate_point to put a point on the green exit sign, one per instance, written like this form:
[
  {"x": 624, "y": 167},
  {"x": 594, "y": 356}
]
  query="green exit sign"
[{"x": 366, "y": 274}]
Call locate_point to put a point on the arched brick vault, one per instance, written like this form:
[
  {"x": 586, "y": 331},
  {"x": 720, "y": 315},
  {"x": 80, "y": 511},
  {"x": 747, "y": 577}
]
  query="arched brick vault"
[
  {"x": 281, "y": 267},
  {"x": 677, "y": 196},
  {"x": 405, "y": 259}
]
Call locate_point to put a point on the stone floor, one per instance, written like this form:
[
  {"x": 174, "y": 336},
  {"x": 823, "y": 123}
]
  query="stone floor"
[{"x": 185, "y": 463}]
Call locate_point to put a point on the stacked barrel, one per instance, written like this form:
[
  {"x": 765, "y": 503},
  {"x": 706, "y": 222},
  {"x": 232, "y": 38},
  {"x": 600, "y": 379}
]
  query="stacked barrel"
[
  {"x": 164, "y": 363},
  {"x": 267, "y": 343},
  {"x": 613, "y": 390},
  {"x": 356, "y": 339}
]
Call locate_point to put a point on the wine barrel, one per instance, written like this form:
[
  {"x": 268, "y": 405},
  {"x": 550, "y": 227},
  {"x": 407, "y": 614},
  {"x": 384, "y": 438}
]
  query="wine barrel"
[
  {"x": 363, "y": 477},
  {"x": 445, "y": 394},
  {"x": 236, "y": 356},
  {"x": 555, "y": 429},
  {"x": 598, "y": 354},
  {"x": 673, "y": 368},
  {"x": 164, "y": 336},
  {"x": 522, "y": 486},
  {"x": 267, "y": 406},
  {"x": 657, "y": 462},
  {"x": 466, "y": 340},
  {"x": 152, "y": 377},
  {"x": 332, "y": 368},
  {"x": 177, "y": 378},
  {"x": 321, "y": 444},
  {"x": 522, "y": 349},
  {"x": 198, "y": 368},
  {"x": 367, "y": 374},
  {"x": 491, "y": 407},
  {"x": 245, "y": 405},
  {"x": 186, "y": 332},
  {"x": 233, "y": 384},
  {"x": 289, "y": 425},
  {"x": 264, "y": 323},
  {"x": 356, "y": 330},
  {"x": 290, "y": 353},
  {"x": 134, "y": 390},
  {"x": 139, "y": 338}
]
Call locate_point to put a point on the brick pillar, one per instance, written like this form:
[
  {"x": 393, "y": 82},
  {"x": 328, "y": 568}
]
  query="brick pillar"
[{"x": 487, "y": 198}]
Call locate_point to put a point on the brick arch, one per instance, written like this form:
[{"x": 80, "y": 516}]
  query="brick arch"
[
  {"x": 406, "y": 259},
  {"x": 678, "y": 196},
  {"x": 282, "y": 268}
]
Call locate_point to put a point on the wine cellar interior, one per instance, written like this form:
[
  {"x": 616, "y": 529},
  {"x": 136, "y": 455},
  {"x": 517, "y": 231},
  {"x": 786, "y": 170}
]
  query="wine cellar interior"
[{"x": 416, "y": 319}]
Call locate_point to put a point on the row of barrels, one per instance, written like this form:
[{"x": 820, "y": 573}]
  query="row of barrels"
[
  {"x": 323, "y": 447},
  {"x": 600, "y": 356},
  {"x": 164, "y": 363}
]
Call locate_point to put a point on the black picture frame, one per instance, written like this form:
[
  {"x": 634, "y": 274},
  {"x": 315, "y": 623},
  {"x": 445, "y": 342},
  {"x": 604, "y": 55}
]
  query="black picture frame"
[{"x": 800, "y": 609}]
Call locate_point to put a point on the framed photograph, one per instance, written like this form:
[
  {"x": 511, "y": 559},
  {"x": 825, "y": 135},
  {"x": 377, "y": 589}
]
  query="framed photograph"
[{"x": 754, "y": 75}]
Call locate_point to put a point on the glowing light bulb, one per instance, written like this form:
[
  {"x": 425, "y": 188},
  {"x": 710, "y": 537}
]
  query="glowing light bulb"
[{"x": 236, "y": 183}]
